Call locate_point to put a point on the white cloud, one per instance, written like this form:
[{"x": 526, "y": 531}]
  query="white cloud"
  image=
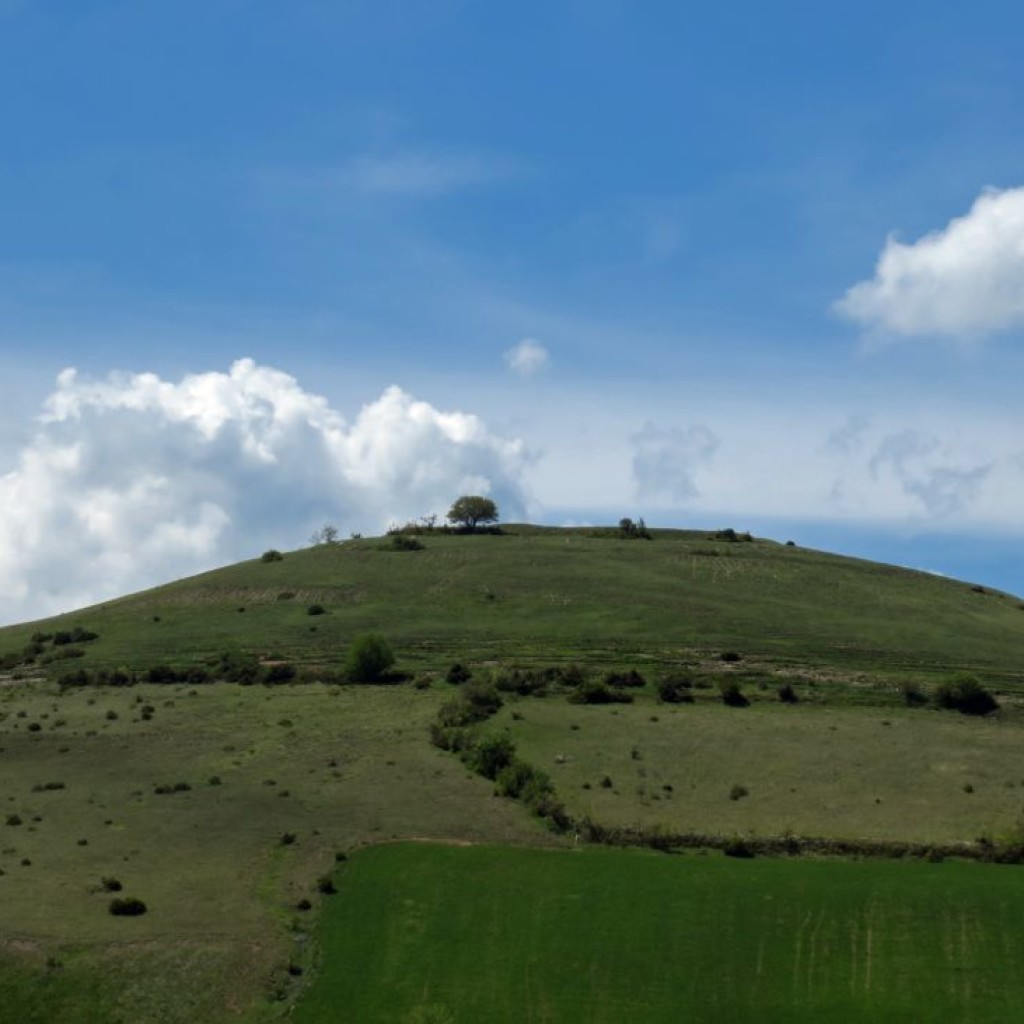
[
  {"x": 134, "y": 479},
  {"x": 964, "y": 281},
  {"x": 527, "y": 357},
  {"x": 666, "y": 460}
]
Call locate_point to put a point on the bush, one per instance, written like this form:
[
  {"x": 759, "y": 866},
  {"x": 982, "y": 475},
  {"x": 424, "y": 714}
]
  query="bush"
[
  {"x": 484, "y": 700},
  {"x": 127, "y": 906},
  {"x": 493, "y": 754},
  {"x": 594, "y": 692},
  {"x": 966, "y": 695},
  {"x": 325, "y": 885},
  {"x": 913, "y": 696},
  {"x": 316, "y": 609},
  {"x": 732, "y": 695},
  {"x": 282, "y": 672},
  {"x": 632, "y": 678},
  {"x": 738, "y": 792},
  {"x": 738, "y": 848},
  {"x": 458, "y": 674},
  {"x": 787, "y": 694},
  {"x": 272, "y": 555},
  {"x": 369, "y": 658},
  {"x": 675, "y": 690},
  {"x": 110, "y": 885},
  {"x": 403, "y": 542}
]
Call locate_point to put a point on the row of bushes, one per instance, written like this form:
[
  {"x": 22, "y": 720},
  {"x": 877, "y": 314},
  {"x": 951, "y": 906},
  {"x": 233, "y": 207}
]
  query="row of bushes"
[
  {"x": 964, "y": 693},
  {"x": 1010, "y": 851}
]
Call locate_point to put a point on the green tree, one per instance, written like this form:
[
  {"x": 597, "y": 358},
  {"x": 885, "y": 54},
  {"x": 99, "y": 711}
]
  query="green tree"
[
  {"x": 471, "y": 510},
  {"x": 369, "y": 657}
]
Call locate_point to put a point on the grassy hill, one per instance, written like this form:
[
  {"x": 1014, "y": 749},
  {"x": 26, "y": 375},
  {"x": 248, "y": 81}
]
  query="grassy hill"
[
  {"x": 554, "y": 595},
  {"x": 224, "y": 807}
]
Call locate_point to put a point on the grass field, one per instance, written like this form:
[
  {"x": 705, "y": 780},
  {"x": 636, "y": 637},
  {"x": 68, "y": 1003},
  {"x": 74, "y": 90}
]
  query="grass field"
[
  {"x": 842, "y": 772},
  {"x": 335, "y": 767},
  {"x": 425, "y": 933}
]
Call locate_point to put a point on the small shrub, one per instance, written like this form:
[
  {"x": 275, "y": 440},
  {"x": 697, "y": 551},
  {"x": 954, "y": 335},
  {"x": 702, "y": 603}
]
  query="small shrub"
[
  {"x": 606, "y": 782},
  {"x": 912, "y": 694},
  {"x": 316, "y": 609},
  {"x": 110, "y": 885},
  {"x": 738, "y": 848},
  {"x": 966, "y": 695},
  {"x": 272, "y": 555},
  {"x": 632, "y": 679},
  {"x": 732, "y": 695},
  {"x": 127, "y": 906},
  {"x": 287, "y": 838},
  {"x": 493, "y": 754},
  {"x": 594, "y": 692},
  {"x": 325, "y": 885},
  {"x": 787, "y": 694},
  {"x": 303, "y": 904},
  {"x": 368, "y": 660},
  {"x": 675, "y": 690},
  {"x": 282, "y": 672},
  {"x": 13, "y": 820},
  {"x": 458, "y": 674},
  {"x": 738, "y": 792},
  {"x": 730, "y": 656},
  {"x": 403, "y": 542}
]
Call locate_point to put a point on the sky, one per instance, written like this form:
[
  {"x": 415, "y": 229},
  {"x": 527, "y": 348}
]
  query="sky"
[{"x": 268, "y": 266}]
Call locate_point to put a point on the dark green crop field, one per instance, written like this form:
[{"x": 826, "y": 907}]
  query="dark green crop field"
[{"x": 427, "y": 933}]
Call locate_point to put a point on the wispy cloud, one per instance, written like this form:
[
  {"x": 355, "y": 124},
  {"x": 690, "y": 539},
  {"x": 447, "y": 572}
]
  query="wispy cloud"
[
  {"x": 666, "y": 460},
  {"x": 421, "y": 174},
  {"x": 526, "y": 358},
  {"x": 964, "y": 281}
]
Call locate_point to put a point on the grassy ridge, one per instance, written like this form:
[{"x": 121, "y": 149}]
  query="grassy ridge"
[
  {"x": 536, "y": 594},
  {"x": 457, "y": 935}
]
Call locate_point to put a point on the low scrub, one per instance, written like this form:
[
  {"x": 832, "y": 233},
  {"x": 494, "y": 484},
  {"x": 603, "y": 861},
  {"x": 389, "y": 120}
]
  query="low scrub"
[
  {"x": 127, "y": 906},
  {"x": 675, "y": 689},
  {"x": 594, "y": 692},
  {"x": 966, "y": 695}
]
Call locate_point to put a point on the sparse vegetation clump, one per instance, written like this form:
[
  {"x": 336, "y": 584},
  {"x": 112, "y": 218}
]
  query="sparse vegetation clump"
[
  {"x": 787, "y": 694},
  {"x": 966, "y": 695},
  {"x": 591, "y": 691},
  {"x": 630, "y": 530},
  {"x": 127, "y": 906},
  {"x": 273, "y": 555},
  {"x": 732, "y": 695},
  {"x": 369, "y": 659},
  {"x": 458, "y": 674},
  {"x": 675, "y": 689}
]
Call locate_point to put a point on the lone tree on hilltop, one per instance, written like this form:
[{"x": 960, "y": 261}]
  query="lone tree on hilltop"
[{"x": 471, "y": 510}]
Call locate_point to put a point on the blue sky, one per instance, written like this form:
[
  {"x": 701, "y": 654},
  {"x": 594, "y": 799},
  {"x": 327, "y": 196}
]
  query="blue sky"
[{"x": 756, "y": 265}]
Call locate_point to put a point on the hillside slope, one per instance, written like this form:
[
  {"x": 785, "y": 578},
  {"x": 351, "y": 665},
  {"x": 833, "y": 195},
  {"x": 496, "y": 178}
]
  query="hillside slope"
[{"x": 546, "y": 594}]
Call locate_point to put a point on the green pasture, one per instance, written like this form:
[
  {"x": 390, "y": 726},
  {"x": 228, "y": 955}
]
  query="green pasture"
[
  {"x": 426, "y": 933},
  {"x": 916, "y": 774},
  {"x": 335, "y": 767}
]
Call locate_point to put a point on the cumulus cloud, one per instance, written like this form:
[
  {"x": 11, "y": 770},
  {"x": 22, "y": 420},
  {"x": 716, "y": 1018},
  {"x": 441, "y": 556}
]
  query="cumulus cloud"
[
  {"x": 527, "y": 357},
  {"x": 666, "y": 460},
  {"x": 963, "y": 281},
  {"x": 134, "y": 479}
]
